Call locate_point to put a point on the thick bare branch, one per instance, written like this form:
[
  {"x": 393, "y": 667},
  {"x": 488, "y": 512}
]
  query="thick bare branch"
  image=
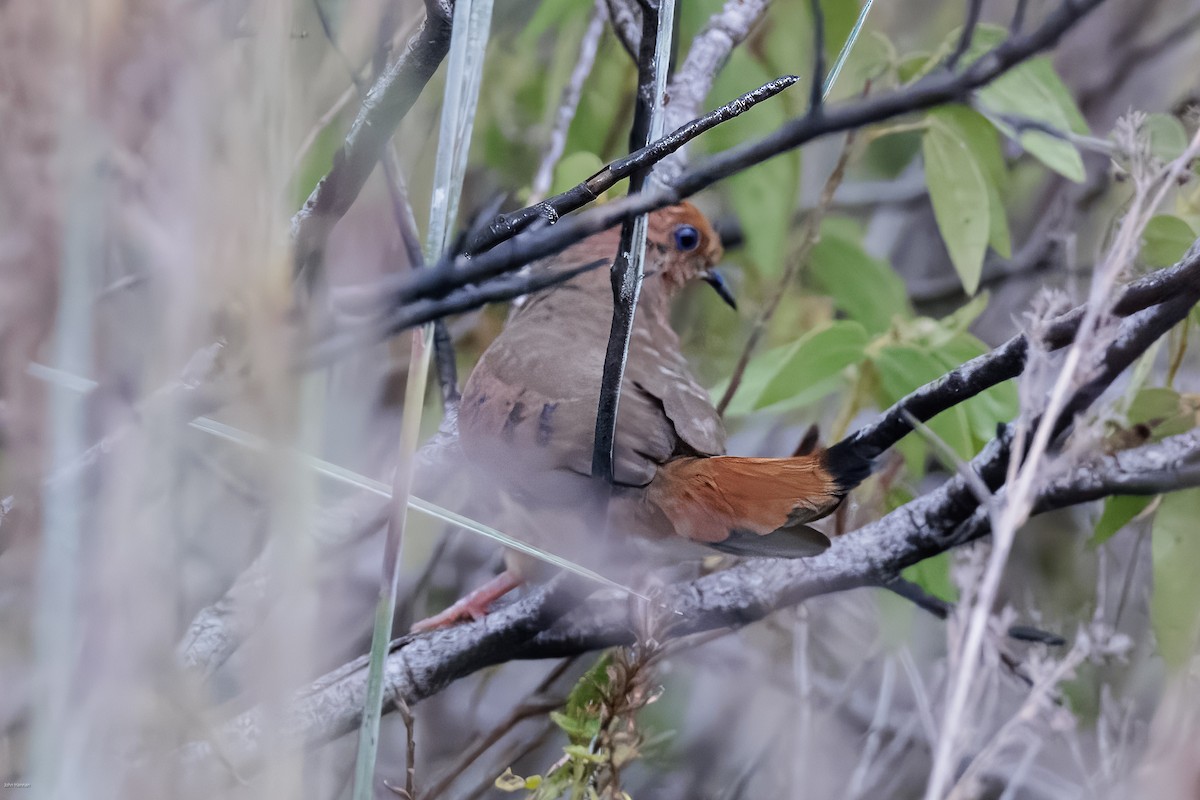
[{"x": 422, "y": 666}]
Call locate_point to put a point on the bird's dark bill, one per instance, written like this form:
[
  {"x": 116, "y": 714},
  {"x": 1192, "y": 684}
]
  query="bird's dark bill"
[{"x": 717, "y": 282}]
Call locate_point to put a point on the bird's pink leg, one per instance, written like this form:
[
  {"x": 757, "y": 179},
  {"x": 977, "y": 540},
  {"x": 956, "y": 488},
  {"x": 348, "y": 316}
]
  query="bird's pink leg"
[{"x": 473, "y": 606}]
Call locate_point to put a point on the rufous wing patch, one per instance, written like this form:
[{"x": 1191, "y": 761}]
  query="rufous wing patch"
[{"x": 727, "y": 498}]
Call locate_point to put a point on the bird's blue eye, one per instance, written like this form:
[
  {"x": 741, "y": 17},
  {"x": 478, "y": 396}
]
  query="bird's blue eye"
[{"x": 687, "y": 238}]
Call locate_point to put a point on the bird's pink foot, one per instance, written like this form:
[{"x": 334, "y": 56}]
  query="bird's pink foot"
[{"x": 472, "y": 607}]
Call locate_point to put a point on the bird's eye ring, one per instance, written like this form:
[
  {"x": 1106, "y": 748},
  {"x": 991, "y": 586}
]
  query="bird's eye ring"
[{"x": 687, "y": 238}]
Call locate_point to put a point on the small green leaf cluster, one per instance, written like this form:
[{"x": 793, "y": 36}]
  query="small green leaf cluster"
[
  {"x": 877, "y": 350},
  {"x": 964, "y": 165},
  {"x": 599, "y": 722}
]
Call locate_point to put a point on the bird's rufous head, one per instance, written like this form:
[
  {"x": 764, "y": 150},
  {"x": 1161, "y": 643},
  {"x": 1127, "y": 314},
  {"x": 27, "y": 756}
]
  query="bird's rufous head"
[{"x": 685, "y": 247}]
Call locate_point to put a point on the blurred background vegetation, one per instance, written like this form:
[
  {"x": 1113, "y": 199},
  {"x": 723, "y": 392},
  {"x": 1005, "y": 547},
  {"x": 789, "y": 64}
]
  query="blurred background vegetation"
[{"x": 151, "y": 155}]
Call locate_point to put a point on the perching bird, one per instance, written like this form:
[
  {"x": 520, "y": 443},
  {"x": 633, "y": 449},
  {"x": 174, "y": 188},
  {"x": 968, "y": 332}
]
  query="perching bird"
[{"x": 528, "y": 413}]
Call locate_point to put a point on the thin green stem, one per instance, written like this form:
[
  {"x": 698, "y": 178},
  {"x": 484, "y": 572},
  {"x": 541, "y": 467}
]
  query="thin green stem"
[{"x": 468, "y": 43}]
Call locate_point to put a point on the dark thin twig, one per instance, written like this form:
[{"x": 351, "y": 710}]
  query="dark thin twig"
[
  {"x": 464, "y": 299},
  {"x": 956, "y": 501},
  {"x": 627, "y": 267},
  {"x": 327, "y": 29},
  {"x": 444, "y": 358},
  {"x": 708, "y": 52},
  {"x": 816, "y": 94},
  {"x": 1134, "y": 338},
  {"x": 934, "y": 89},
  {"x": 402, "y": 211},
  {"x": 385, "y": 105},
  {"x": 1021, "y": 124},
  {"x": 447, "y": 366},
  {"x": 942, "y": 609},
  {"x": 1018, "y": 18},
  {"x": 922, "y": 599},
  {"x": 627, "y": 24},
  {"x": 409, "y": 791},
  {"x": 974, "y": 7},
  {"x": 508, "y": 225},
  {"x": 1028, "y": 633}
]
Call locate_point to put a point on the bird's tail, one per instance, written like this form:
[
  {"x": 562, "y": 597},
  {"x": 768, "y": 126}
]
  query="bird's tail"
[
  {"x": 757, "y": 506},
  {"x": 848, "y": 463}
]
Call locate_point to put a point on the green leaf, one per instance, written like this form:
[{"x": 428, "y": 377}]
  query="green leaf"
[
  {"x": 989, "y": 408},
  {"x": 1175, "y": 554},
  {"x": 580, "y": 717},
  {"x": 873, "y": 57},
  {"x": 1033, "y": 90},
  {"x": 912, "y": 66},
  {"x": 1057, "y": 154},
  {"x": 761, "y": 370},
  {"x": 903, "y": 368},
  {"x": 980, "y": 137},
  {"x": 1164, "y": 411},
  {"x": 999, "y": 238},
  {"x": 982, "y": 140},
  {"x": 581, "y": 752},
  {"x": 933, "y": 575},
  {"x": 574, "y": 168},
  {"x": 817, "y": 356},
  {"x": 1153, "y": 405},
  {"x": 959, "y": 195},
  {"x": 867, "y": 289},
  {"x": 1165, "y": 240},
  {"x": 1168, "y": 138},
  {"x": 1119, "y": 511},
  {"x": 508, "y": 782}
]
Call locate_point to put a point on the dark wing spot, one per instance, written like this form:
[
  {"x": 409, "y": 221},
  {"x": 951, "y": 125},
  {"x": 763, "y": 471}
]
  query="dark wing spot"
[
  {"x": 545, "y": 427},
  {"x": 482, "y": 399},
  {"x": 514, "y": 419}
]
